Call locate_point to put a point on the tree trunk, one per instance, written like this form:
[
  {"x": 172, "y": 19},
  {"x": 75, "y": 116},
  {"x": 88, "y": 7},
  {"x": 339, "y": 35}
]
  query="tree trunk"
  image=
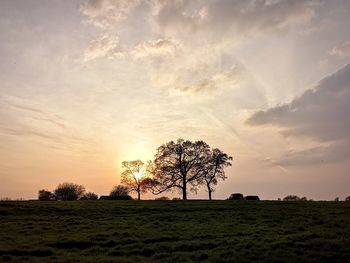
[
  {"x": 138, "y": 195},
  {"x": 209, "y": 191},
  {"x": 184, "y": 190}
]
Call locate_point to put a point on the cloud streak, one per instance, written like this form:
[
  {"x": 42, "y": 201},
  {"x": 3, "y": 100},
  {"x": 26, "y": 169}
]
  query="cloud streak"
[{"x": 319, "y": 114}]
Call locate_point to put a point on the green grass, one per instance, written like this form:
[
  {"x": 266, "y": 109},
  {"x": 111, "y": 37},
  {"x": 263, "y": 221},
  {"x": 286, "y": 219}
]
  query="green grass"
[{"x": 175, "y": 231}]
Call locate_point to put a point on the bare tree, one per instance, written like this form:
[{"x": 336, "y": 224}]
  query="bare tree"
[
  {"x": 215, "y": 164},
  {"x": 135, "y": 176},
  {"x": 179, "y": 164}
]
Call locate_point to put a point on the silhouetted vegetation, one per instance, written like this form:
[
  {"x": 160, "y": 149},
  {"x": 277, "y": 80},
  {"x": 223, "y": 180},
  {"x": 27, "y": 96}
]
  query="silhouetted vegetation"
[
  {"x": 252, "y": 197},
  {"x": 291, "y": 198},
  {"x": 236, "y": 196},
  {"x": 136, "y": 176},
  {"x": 120, "y": 192},
  {"x": 45, "y": 195},
  {"x": 69, "y": 192},
  {"x": 347, "y": 199},
  {"x": 214, "y": 169},
  {"x": 89, "y": 196},
  {"x": 184, "y": 164},
  {"x": 164, "y": 231}
]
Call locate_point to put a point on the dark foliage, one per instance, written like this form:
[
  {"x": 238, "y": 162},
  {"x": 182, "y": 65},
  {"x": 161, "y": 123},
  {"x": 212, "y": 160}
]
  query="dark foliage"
[
  {"x": 252, "y": 197},
  {"x": 179, "y": 165},
  {"x": 236, "y": 196},
  {"x": 120, "y": 192},
  {"x": 45, "y": 195},
  {"x": 69, "y": 191},
  {"x": 89, "y": 196},
  {"x": 347, "y": 199},
  {"x": 292, "y": 198}
]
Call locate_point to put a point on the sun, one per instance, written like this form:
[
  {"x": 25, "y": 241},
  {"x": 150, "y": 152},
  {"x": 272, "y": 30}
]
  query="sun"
[{"x": 139, "y": 175}]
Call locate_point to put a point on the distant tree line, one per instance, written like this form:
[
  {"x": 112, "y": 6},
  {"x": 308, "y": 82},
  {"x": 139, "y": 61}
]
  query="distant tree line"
[{"x": 181, "y": 166}]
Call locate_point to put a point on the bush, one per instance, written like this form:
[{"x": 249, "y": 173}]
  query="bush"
[
  {"x": 69, "y": 191},
  {"x": 176, "y": 199},
  {"x": 45, "y": 195},
  {"x": 162, "y": 198},
  {"x": 89, "y": 196},
  {"x": 236, "y": 196},
  {"x": 291, "y": 198},
  {"x": 347, "y": 199},
  {"x": 120, "y": 192},
  {"x": 252, "y": 197}
]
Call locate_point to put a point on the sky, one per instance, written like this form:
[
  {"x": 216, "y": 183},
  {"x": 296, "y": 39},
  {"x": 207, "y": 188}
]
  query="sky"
[{"x": 85, "y": 85}]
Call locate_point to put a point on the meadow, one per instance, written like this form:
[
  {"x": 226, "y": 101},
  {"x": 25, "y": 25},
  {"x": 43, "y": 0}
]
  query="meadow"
[{"x": 174, "y": 231}]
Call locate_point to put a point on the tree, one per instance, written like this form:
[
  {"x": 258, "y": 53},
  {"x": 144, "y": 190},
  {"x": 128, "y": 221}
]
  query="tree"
[
  {"x": 69, "y": 191},
  {"x": 45, "y": 195},
  {"x": 89, "y": 196},
  {"x": 214, "y": 171},
  {"x": 120, "y": 192},
  {"x": 347, "y": 199},
  {"x": 291, "y": 198},
  {"x": 135, "y": 176},
  {"x": 179, "y": 164}
]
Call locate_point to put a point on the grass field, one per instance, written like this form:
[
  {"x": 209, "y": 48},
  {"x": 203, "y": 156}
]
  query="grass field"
[{"x": 175, "y": 231}]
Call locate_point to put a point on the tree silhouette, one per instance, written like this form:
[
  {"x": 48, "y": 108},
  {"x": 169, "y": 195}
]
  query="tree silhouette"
[
  {"x": 135, "y": 176},
  {"x": 45, "y": 195},
  {"x": 69, "y": 191},
  {"x": 215, "y": 164},
  {"x": 179, "y": 164},
  {"x": 120, "y": 192}
]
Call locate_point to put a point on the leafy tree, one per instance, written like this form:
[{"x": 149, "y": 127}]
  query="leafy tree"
[
  {"x": 120, "y": 192},
  {"x": 45, "y": 195},
  {"x": 69, "y": 191},
  {"x": 179, "y": 164},
  {"x": 135, "y": 176},
  {"x": 89, "y": 196},
  {"x": 215, "y": 164}
]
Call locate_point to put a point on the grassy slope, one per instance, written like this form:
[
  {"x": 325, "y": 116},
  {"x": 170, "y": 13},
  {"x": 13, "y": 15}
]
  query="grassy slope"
[{"x": 175, "y": 231}]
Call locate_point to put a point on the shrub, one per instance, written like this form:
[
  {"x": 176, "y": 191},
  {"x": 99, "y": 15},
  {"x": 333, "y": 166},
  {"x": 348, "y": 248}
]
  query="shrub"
[
  {"x": 162, "y": 198},
  {"x": 252, "y": 197},
  {"x": 303, "y": 198},
  {"x": 69, "y": 191},
  {"x": 120, "y": 192},
  {"x": 176, "y": 199},
  {"x": 291, "y": 198},
  {"x": 89, "y": 196},
  {"x": 347, "y": 199},
  {"x": 45, "y": 195},
  {"x": 236, "y": 196},
  {"x": 336, "y": 199}
]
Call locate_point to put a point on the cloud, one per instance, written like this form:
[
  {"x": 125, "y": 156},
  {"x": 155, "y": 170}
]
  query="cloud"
[
  {"x": 220, "y": 79},
  {"x": 237, "y": 17},
  {"x": 155, "y": 48},
  {"x": 341, "y": 51},
  {"x": 320, "y": 114},
  {"x": 103, "y": 47},
  {"x": 106, "y": 13}
]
